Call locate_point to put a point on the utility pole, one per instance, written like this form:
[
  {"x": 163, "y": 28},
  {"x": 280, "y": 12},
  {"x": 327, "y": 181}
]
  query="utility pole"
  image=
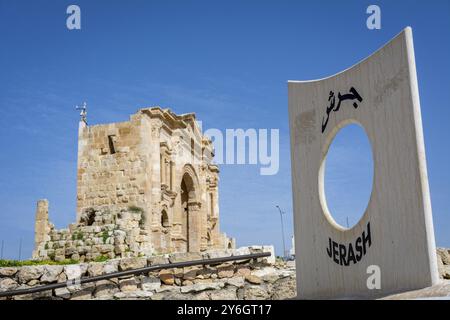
[
  {"x": 347, "y": 223},
  {"x": 20, "y": 249},
  {"x": 1, "y": 255},
  {"x": 282, "y": 231}
]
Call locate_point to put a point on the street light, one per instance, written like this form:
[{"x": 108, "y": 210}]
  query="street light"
[{"x": 282, "y": 231}]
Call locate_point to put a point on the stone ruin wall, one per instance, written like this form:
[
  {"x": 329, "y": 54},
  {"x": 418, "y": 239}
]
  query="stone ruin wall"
[
  {"x": 113, "y": 170},
  {"x": 101, "y": 234},
  {"x": 262, "y": 278}
]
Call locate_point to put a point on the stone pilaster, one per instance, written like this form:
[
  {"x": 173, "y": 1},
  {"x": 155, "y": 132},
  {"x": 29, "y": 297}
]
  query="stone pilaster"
[{"x": 41, "y": 227}]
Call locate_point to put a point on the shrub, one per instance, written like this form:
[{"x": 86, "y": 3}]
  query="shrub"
[
  {"x": 105, "y": 236},
  {"x": 135, "y": 209}
]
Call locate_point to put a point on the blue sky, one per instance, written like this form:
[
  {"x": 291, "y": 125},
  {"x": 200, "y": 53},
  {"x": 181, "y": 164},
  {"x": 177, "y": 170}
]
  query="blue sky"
[{"x": 229, "y": 62}]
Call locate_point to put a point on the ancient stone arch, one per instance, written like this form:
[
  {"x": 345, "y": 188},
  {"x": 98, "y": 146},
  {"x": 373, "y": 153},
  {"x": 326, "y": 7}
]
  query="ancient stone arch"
[{"x": 190, "y": 204}]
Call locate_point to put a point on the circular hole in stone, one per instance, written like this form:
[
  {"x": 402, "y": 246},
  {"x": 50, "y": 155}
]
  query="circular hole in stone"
[{"x": 348, "y": 176}]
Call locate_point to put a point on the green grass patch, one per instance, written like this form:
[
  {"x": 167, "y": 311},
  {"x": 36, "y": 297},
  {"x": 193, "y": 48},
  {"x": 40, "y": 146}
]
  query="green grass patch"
[
  {"x": 22, "y": 263},
  {"x": 105, "y": 236},
  {"x": 101, "y": 259}
]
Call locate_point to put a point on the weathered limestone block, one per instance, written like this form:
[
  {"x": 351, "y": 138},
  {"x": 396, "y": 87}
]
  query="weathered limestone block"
[
  {"x": 190, "y": 273},
  {"x": 237, "y": 282},
  {"x": 228, "y": 293},
  {"x": 51, "y": 273},
  {"x": 202, "y": 287},
  {"x": 132, "y": 263},
  {"x": 62, "y": 293},
  {"x": 157, "y": 260},
  {"x": 8, "y": 284},
  {"x": 70, "y": 251},
  {"x": 253, "y": 279},
  {"x": 111, "y": 266},
  {"x": 84, "y": 294},
  {"x": 444, "y": 254},
  {"x": 133, "y": 295},
  {"x": 28, "y": 273},
  {"x": 284, "y": 289},
  {"x": 255, "y": 292},
  {"x": 219, "y": 253},
  {"x": 150, "y": 283},
  {"x": 7, "y": 272},
  {"x": 95, "y": 269},
  {"x": 167, "y": 276},
  {"x": 127, "y": 285},
  {"x": 243, "y": 270},
  {"x": 105, "y": 289},
  {"x": 225, "y": 270},
  {"x": 75, "y": 271}
]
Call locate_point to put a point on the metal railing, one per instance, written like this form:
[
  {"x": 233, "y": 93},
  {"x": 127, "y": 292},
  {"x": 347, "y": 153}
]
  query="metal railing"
[{"x": 120, "y": 274}]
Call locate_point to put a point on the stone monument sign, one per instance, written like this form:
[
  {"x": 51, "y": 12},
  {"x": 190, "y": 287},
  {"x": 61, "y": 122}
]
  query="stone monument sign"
[{"x": 394, "y": 240}]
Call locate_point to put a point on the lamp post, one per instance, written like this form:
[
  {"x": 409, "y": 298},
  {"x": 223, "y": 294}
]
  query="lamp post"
[{"x": 282, "y": 231}]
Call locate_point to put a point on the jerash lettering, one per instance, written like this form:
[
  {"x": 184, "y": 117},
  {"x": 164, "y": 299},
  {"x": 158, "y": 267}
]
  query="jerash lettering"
[{"x": 148, "y": 219}]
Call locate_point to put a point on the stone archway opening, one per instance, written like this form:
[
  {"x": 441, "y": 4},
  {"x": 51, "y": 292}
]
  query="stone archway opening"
[
  {"x": 164, "y": 219},
  {"x": 189, "y": 207}
]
